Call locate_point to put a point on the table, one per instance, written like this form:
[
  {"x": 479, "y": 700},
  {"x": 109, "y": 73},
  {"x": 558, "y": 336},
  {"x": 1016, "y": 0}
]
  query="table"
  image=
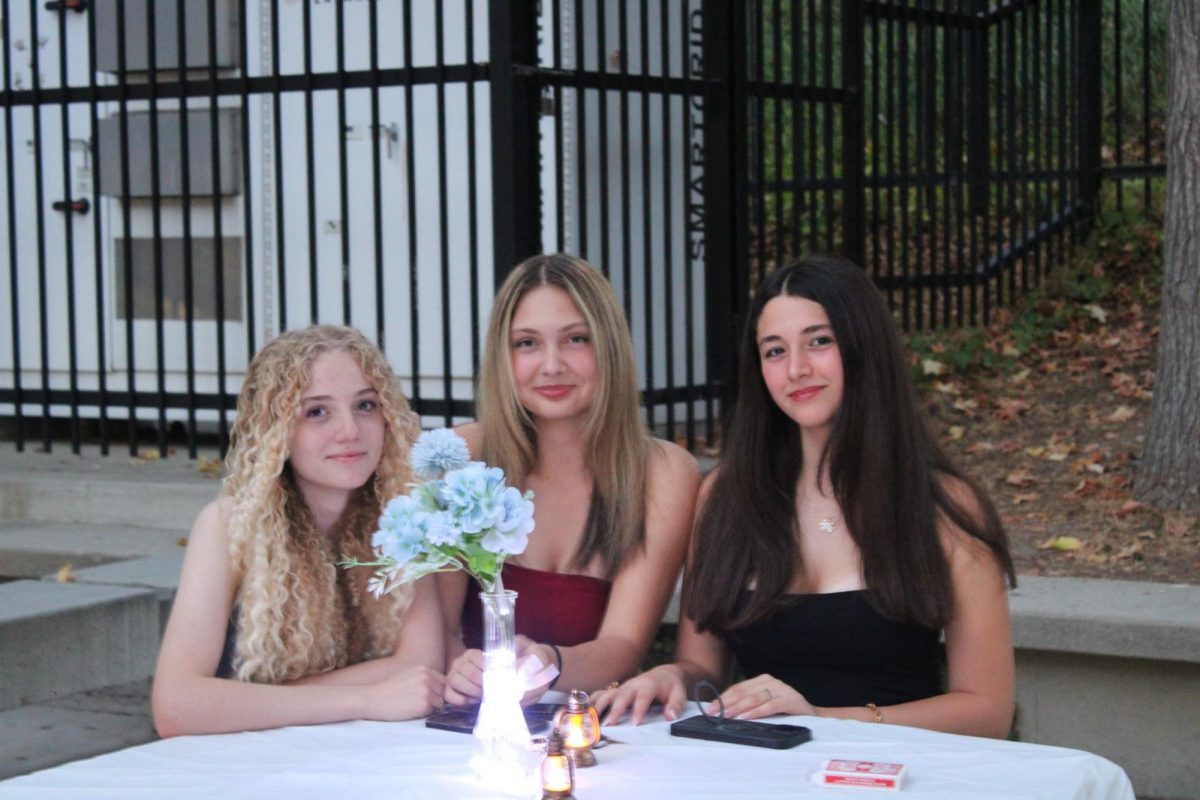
[{"x": 365, "y": 760}]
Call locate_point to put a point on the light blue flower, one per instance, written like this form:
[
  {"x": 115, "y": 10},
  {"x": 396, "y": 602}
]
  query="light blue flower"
[
  {"x": 439, "y": 451},
  {"x": 441, "y": 530},
  {"x": 510, "y": 534},
  {"x": 474, "y": 495},
  {"x": 401, "y": 531}
]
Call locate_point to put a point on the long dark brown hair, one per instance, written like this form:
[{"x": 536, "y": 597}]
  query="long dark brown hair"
[{"x": 887, "y": 472}]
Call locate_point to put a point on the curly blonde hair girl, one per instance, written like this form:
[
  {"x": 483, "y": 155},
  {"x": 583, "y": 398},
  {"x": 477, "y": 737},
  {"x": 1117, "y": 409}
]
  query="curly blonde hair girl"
[{"x": 298, "y": 614}]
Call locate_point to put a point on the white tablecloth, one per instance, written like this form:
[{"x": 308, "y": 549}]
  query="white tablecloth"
[{"x": 366, "y": 760}]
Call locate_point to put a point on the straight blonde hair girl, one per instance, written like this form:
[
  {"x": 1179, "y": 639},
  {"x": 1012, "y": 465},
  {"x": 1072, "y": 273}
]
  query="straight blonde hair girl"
[{"x": 617, "y": 444}]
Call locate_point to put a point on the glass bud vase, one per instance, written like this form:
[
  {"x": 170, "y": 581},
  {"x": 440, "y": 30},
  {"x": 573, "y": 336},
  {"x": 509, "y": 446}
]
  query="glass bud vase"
[{"x": 502, "y": 750}]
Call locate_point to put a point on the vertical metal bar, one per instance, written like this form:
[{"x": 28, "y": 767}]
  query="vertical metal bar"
[
  {"x": 439, "y": 45},
  {"x": 964, "y": 274},
  {"x": 602, "y": 252},
  {"x": 758, "y": 145},
  {"x": 952, "y": 152},
  {"x": 515, "y": 99},
  {"x": 1147, "y": 157},
  {"x": 39, "y": 194},
  {"x": 1062, "y": 127},
  {"x": 581, "y": 181},
  {"x": 853, "y": 123},
  {"x": 893, "y": 192},
  {"x": 160, "y": 399},
  {"x": 726, "y": 285},
  {"x": 218, "y": 230},
  {"x": 1035, "y": 209},
  {"x": 277, "y": 124},
  {"x": 906, "y": 291},
  {"x": 1118, "y": 99},
  {"x": 189, "y": 294},
  {"x": 920, "y": 157},
  {"x": 876, "y": 148},
  {"x": 818, "y": 107},
  {"x": 685, "y": 56},
  {"x": 410, "y": 171},
  {"x": 827, "y": 129},
  {"x": 473, "y": 187},
  {"x": 668, "y": 228},
  {"x": 647, "y": 220},
  {"x": 69, "y": 238},
  {"x": 126, "y": 226},
  {"x": 559, "y": 125},
  {"x": 310, "y": 166},
  {"x": 978, "y": 98},
  {"x": 13, "y": 261},
  {"x": 777, "y": 129},
  {"x": 796, "y": 129},
  {"x": 247, "y": 188},
  {"x": 376, "y": 134},
  {"x": 102, "y": 308},
  {"x": 1022, "y": 169},
  {"x": 343, "y": 160},
  {"x": 626, "y": 177}
]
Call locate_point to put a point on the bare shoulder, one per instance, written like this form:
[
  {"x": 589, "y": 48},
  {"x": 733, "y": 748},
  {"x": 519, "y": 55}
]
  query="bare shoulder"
[
  {"x": 962, "y": 549},
  {"x": 214, "y": 518},
  {"x": 668, "y": 457},
  {"x": 472, "y": 432}
]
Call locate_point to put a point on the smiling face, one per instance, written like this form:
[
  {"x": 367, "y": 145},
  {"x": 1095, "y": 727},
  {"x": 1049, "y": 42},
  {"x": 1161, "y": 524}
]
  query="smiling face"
[
  {"x": 553, "y": 362},
  {"x": 800, "y": 361},
  {"x": 338, "y": 439}
]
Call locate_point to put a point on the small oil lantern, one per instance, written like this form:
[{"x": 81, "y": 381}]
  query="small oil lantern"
[{"x": 579, "y": 726}]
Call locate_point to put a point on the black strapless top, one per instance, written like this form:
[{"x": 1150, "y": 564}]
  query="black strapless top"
[{"x": 837, "y": 650}]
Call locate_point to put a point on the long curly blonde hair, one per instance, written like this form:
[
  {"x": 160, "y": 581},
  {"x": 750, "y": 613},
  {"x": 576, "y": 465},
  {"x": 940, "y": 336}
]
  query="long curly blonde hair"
[{"x": 299, "y": 614}]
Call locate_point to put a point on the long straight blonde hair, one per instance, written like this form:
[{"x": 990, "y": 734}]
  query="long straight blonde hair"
[
  {"x": 294, "y": 606},
  {"x": 617, "y": 443}
]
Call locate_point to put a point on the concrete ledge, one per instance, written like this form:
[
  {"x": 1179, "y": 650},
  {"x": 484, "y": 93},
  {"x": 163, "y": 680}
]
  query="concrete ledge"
[
  {"x": 1107, "y": 618},
  {"x": 1112, "y": 667},
  {"x": 60, "y": 638},
  {"x": 148, "y": 503}
]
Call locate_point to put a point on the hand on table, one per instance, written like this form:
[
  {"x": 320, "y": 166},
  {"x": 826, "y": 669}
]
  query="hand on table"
[
  {"x": 464, "y": 679},
  {"x": 761, "y": 696},
  {"x": 663, "y": 684},
  {"x": 407, "y": 694}
]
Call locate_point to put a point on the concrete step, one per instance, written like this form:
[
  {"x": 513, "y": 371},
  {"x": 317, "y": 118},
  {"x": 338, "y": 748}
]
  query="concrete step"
[
  {"x": 33, "y": 549},
  {"x": 60, "y": 638},
  {"x": 158, "y": 494}
]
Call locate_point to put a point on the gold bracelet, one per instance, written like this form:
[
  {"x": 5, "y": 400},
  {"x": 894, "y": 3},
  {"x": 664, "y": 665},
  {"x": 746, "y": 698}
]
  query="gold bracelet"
[{"x": 875, "y": 710}]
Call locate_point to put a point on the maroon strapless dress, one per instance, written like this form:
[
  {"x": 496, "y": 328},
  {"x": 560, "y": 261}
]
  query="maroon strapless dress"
[{"x": 552, "y": 607}]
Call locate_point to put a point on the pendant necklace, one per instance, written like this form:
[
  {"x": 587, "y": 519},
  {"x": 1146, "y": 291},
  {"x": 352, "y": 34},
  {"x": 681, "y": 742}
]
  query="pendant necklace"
[{"x": 828, "y": 524}]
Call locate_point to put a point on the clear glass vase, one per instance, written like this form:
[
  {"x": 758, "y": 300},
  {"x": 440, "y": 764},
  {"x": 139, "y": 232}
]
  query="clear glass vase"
[{"x": 502, "y": 743}]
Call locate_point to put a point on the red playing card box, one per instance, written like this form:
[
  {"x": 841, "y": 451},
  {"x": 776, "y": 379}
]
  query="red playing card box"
[{"x": 854, "y": 774}]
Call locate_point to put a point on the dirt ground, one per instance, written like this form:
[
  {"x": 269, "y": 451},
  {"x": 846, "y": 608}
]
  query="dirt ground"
[{"x": 1054, "y": 429}]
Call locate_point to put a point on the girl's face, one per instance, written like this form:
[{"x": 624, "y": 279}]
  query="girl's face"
[
  {"x": 800, "y": 361},
  {"x": 338, "y": 440},
  {"x": 553, "y": 363}
]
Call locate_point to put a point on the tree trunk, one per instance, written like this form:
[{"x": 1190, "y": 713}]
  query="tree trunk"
[{"x": 1169, "y": 473}]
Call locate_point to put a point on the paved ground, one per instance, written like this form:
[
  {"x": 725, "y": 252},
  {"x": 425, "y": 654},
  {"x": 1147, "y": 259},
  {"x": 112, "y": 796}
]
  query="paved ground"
[{"x": 76, "y": 726}]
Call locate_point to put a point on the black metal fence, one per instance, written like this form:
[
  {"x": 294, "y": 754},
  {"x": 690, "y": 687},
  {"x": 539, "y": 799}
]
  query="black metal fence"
[{"x": 184, "y": 178}]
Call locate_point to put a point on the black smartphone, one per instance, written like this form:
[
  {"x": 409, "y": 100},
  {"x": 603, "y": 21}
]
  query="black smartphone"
[
  {"x": 461, "y": 719},
  {"x": 777, "y": 736}
]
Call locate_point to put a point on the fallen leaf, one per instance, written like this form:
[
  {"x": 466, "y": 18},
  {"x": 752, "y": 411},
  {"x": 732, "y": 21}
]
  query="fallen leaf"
[
  {"x": 1122, "y": 414},
  {"x": 1096, "y": 312},
  {"x": 182, "y": 541},
  {"x": 1096, "y": 468},
  {"x": 1020, "y": 377},
  {"x": 932, "y": 367},
  {"x": 956, "y": 432},
  {"x": 1025, "y": 497},
  {"x": 966, "y": 405},
  {"x": 148, "y": 454},
  {"x": 208, "y": 465},
  {"x": 1037, "y": 451},
  {"x": 947, "y": 387},
  {"x": 65, "y": 574},
  {"x": 976, "y": 448},
  {"x": 1019, "y": 477},
  {"x": 1064, "y": 543}
]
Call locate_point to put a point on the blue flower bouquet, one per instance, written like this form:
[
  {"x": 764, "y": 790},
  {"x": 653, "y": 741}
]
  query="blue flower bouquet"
[{"x": 461, "y": 516}]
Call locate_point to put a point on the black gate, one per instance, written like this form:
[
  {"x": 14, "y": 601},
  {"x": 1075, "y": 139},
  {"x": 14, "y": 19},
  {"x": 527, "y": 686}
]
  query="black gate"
[{"x": 185, "y": 178}]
